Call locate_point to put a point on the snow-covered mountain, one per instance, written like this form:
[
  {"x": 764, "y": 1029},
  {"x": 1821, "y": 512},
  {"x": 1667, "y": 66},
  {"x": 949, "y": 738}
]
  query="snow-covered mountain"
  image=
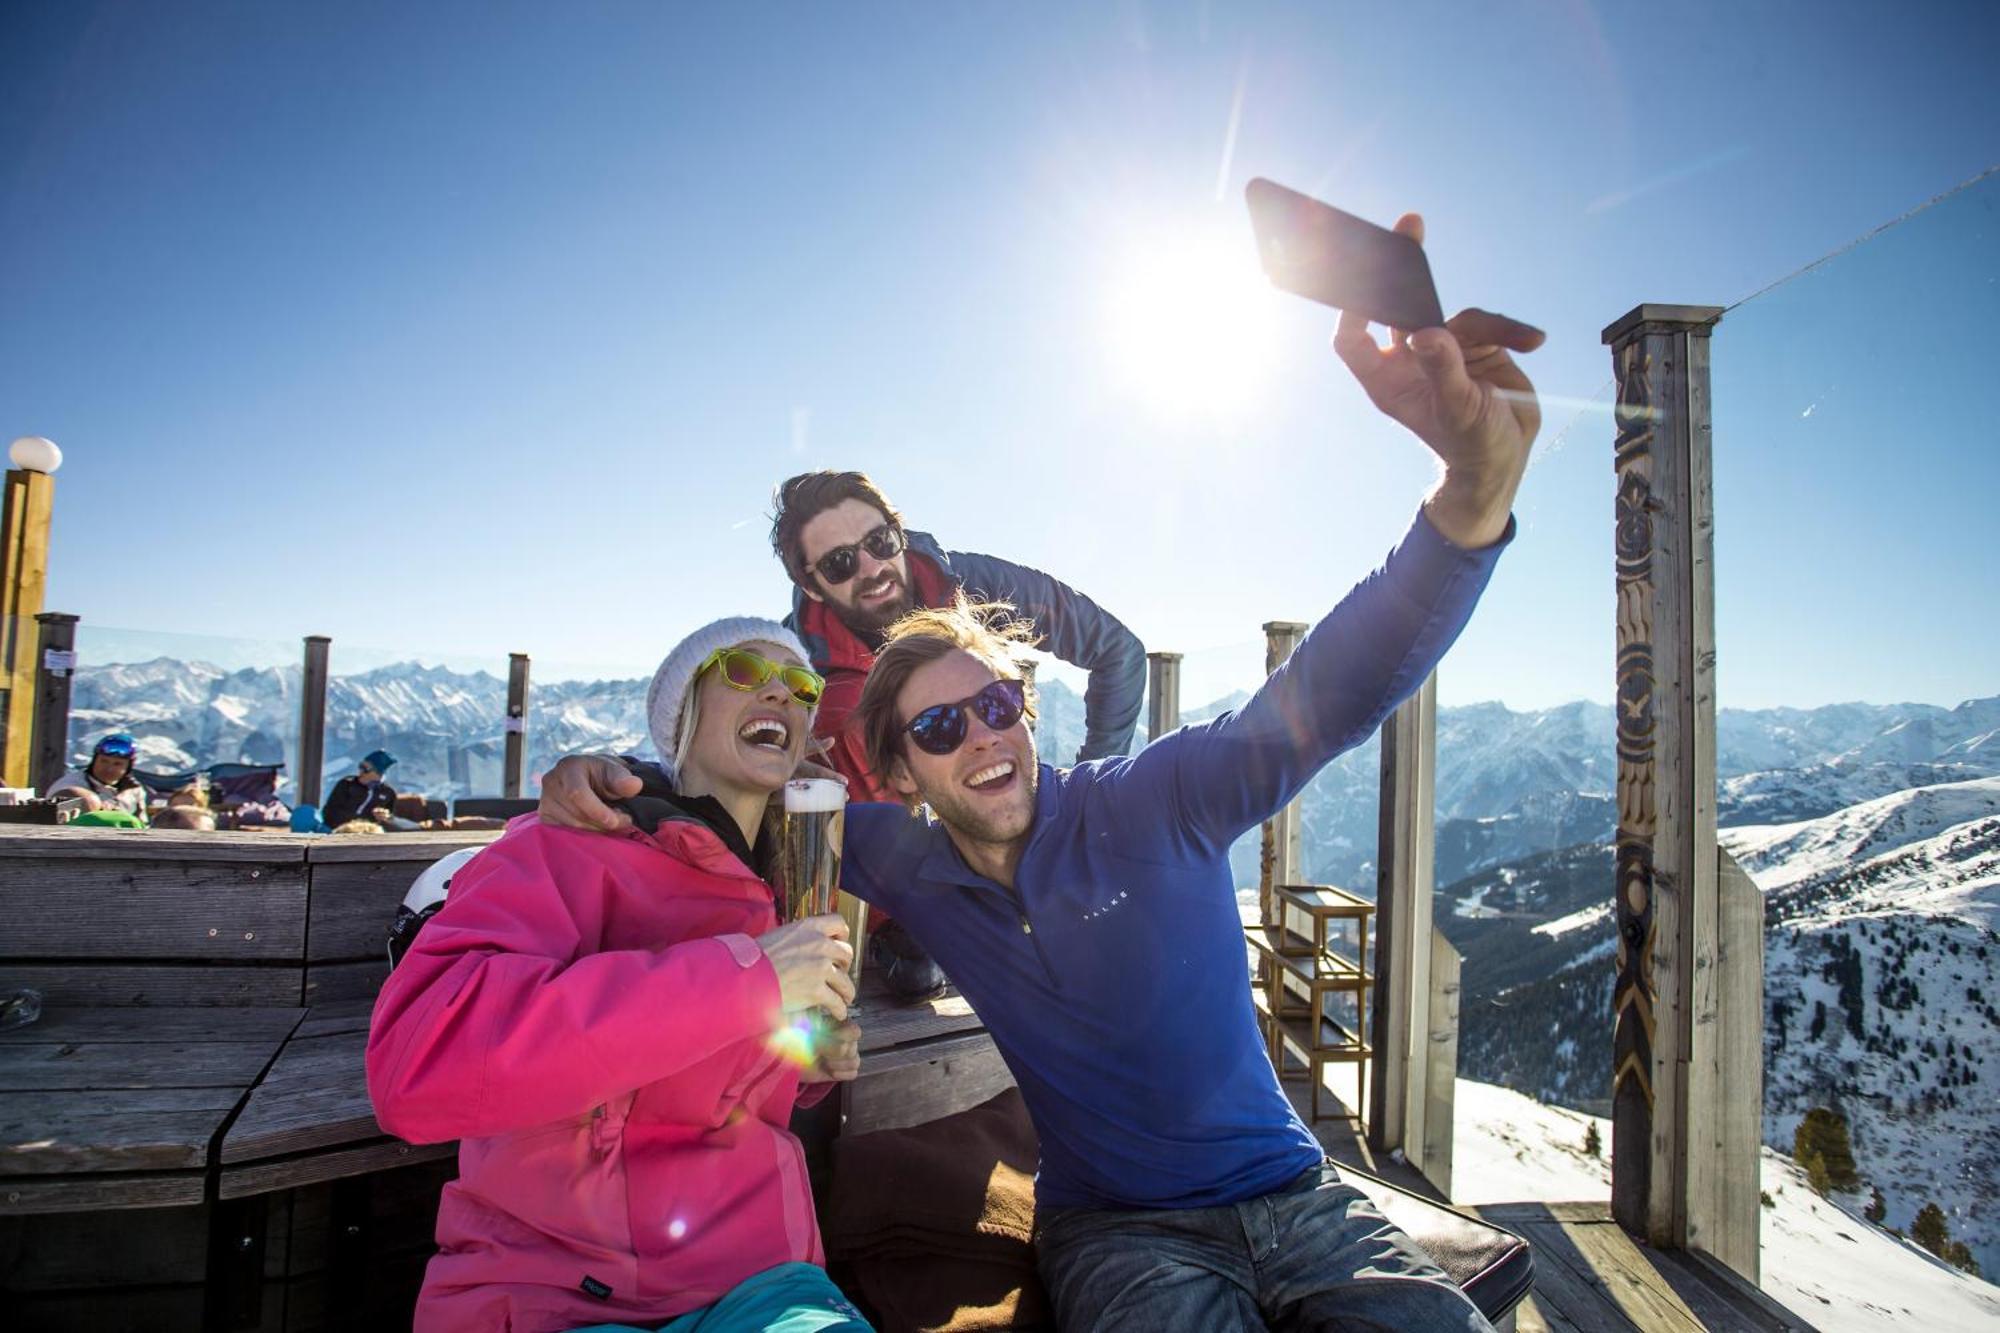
[
  {"x": 445, "y": 727},
  {"x": 1882, "y": 987}
]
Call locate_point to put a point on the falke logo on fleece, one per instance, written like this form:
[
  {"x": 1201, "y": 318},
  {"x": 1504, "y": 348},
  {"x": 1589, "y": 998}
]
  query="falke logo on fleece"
[{"x": 592, "y": 1287}]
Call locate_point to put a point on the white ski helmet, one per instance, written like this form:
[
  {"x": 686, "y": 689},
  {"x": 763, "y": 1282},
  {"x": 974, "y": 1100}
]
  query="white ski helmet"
[{"x": 424, "y": 899}]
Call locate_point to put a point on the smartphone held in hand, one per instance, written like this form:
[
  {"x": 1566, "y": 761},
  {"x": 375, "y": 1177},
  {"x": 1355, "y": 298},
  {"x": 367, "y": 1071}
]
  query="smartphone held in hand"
[{"x": 1316, "y": 251}]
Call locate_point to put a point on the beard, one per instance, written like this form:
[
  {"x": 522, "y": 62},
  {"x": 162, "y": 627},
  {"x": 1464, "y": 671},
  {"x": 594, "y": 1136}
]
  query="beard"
[{"x": 870, "y": 622}]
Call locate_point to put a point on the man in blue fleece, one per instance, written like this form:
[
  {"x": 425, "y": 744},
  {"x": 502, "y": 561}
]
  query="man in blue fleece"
[{"x": 1090, "y": 917}]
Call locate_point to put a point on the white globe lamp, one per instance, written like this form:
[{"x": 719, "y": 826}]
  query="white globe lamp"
[{"x": 32, "y": 453}]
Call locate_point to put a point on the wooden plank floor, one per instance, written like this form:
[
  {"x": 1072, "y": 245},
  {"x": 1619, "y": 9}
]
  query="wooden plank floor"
[{"x": 1590, "y": 1277}]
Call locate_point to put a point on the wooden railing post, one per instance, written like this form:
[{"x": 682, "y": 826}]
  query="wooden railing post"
[
  {"x": 1401, "y": 1101},
  {"x": 1163, "y": 694},
  {"x": 26, "y": 507},
  {"x": 312, "y": 719},
  {"x": 1673, "y": 1080},
  {"x": 1281, "y": 859},
  {"x": 55, "y": 665},
  {"x": 514, "y": 769}
]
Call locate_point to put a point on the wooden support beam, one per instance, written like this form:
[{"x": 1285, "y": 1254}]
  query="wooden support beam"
[
  {"x": 1163, "y": 694},
  {"x": 1281, "y": 861},
  {"x": 1726, "y": 1081},
  {"x": 514, "y": 768},
  {"x": 1665, "y": 1090},
  {"x": 312, "y": 720},
  {"x": 1405, "y": 851},
  {"x": 55, "y": 666},
  {"x": 1432, "y": 1141},
  {"x": 26, "y": 507}
]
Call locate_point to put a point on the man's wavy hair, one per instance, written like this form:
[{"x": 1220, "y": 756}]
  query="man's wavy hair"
[
  {"x": 801, "y": 499},
  {"x": 989, "y": 631}
]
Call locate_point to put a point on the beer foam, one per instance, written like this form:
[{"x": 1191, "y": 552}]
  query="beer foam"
[{"x": 813, "y": 796}]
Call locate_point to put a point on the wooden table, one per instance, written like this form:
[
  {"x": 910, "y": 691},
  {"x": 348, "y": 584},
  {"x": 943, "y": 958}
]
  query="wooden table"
[
  {"x": 310, "y": 1119},
  {"x": 119, "y": 1108},
  {"x": 918, "y": 1061}
]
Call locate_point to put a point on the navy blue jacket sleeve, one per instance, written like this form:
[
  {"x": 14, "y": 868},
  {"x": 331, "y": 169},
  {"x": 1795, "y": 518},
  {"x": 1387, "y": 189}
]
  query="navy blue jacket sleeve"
[
  {"x": 1214, "y": 780},
  {"x": 1078, "y": 631}
]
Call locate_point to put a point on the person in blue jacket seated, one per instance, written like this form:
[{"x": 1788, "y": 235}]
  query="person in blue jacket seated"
[{"x": 1090, "y": 916}]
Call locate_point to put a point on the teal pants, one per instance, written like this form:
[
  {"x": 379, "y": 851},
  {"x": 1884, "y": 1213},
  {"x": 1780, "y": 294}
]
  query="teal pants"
[{"x": 791, "y": 1298}]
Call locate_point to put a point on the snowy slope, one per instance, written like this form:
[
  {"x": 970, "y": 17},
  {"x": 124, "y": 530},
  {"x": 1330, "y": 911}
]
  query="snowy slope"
[
  {"x": 1821, "y": 1261},
  {"x": 1782, "y": 854},
  {"x": 1882, "y": 991}
]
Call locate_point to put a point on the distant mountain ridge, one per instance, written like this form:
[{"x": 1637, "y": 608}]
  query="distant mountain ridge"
[{"x": 1513, "y": 782}]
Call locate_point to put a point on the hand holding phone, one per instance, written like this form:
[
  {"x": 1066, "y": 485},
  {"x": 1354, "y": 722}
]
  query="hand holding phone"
[{"x": 1316, "y": 251}]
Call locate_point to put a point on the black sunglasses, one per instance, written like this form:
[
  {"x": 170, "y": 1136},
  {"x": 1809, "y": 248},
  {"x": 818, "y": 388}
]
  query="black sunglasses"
[
  {"x": 838, "y": 565},
  {"x": 940, "y": 729}
]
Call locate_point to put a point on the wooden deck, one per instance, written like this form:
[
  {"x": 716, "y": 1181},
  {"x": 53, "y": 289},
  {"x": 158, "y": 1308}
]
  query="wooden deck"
[{"x": 1590, "y": 1277}]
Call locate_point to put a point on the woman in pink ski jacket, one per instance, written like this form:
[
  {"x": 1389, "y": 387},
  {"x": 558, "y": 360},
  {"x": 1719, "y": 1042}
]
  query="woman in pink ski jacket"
[{"x": 599, "y": 1021}]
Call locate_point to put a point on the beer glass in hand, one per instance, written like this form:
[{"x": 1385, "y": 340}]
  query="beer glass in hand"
[{"x": 809, "y": 862}]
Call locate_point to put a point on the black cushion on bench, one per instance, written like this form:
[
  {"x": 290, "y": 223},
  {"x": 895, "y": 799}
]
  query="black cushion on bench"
[{"x": 1495, "y": 1267}]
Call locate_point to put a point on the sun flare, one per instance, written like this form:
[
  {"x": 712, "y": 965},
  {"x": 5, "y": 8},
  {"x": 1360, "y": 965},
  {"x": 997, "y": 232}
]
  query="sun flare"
[{"x": 1189, "y": 325}]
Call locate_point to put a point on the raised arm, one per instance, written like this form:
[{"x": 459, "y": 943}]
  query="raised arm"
[
  {"x": 1081, "y": 633},
  {"x": 1458, "y": 390},
  {"x": 1211, "y": 781}
]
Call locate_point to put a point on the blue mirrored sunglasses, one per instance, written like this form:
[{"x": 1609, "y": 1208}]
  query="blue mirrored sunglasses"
[{"x": 940, "y": 729}]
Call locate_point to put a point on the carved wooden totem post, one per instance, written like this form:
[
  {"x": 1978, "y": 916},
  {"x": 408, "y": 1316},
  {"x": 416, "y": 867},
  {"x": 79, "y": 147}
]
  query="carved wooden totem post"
[{"x": 1676, "y": 1023}]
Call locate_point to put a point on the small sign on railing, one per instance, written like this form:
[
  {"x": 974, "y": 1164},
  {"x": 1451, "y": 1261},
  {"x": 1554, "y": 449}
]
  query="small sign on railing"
[
  {"x": 58, "y": 661},
  {"x": 515, "y": 725}
]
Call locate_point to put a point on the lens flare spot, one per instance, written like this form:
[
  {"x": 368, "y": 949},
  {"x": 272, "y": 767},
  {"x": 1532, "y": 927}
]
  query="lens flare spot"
[
  {"x": 676, "y": 1229},
  {"x": 794, "y": 1042}
]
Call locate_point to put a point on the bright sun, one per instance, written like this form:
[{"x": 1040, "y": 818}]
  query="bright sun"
[{"x": 1189, "y": 325}]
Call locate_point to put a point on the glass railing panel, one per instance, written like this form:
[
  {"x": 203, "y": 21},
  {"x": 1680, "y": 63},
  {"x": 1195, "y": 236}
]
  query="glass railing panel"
[{"x": 1858, "y": 702}]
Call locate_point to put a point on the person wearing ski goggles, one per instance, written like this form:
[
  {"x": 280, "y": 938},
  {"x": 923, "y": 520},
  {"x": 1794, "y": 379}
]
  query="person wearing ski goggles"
[{"x": 106, "y": 782}]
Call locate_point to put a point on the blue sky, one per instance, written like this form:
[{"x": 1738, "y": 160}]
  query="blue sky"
[{"x": 453, "y": 329}]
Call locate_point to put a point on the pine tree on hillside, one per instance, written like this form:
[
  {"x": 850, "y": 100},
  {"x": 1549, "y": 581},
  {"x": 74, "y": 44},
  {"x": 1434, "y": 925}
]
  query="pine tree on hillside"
[
  {"x": 1933, "y": 1233},
  {"x": 1959, "y": 1255},
  {"x": 1877, "y": 1208},
  {"x": 1930, "y": 1231},
  {"x": 1816, "y": 1175},
  {"x": 1593, "y": 1142},
  {"x": 1823, "y": 1134}
]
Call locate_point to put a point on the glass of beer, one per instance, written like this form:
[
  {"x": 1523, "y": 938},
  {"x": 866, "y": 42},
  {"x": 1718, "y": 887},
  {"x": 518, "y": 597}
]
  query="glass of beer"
[{"x": 809, "y": 863}]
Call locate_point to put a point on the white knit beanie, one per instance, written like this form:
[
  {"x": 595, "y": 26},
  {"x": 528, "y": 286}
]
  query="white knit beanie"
[{"x": 668, "y": 699}]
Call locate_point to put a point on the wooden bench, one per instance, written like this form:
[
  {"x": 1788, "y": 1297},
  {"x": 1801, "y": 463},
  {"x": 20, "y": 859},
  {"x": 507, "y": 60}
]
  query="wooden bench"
[{"x": 181, "y": 1132}]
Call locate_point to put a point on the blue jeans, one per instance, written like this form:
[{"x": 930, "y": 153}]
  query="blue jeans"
[{"x": 1315, "y": 1255}]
